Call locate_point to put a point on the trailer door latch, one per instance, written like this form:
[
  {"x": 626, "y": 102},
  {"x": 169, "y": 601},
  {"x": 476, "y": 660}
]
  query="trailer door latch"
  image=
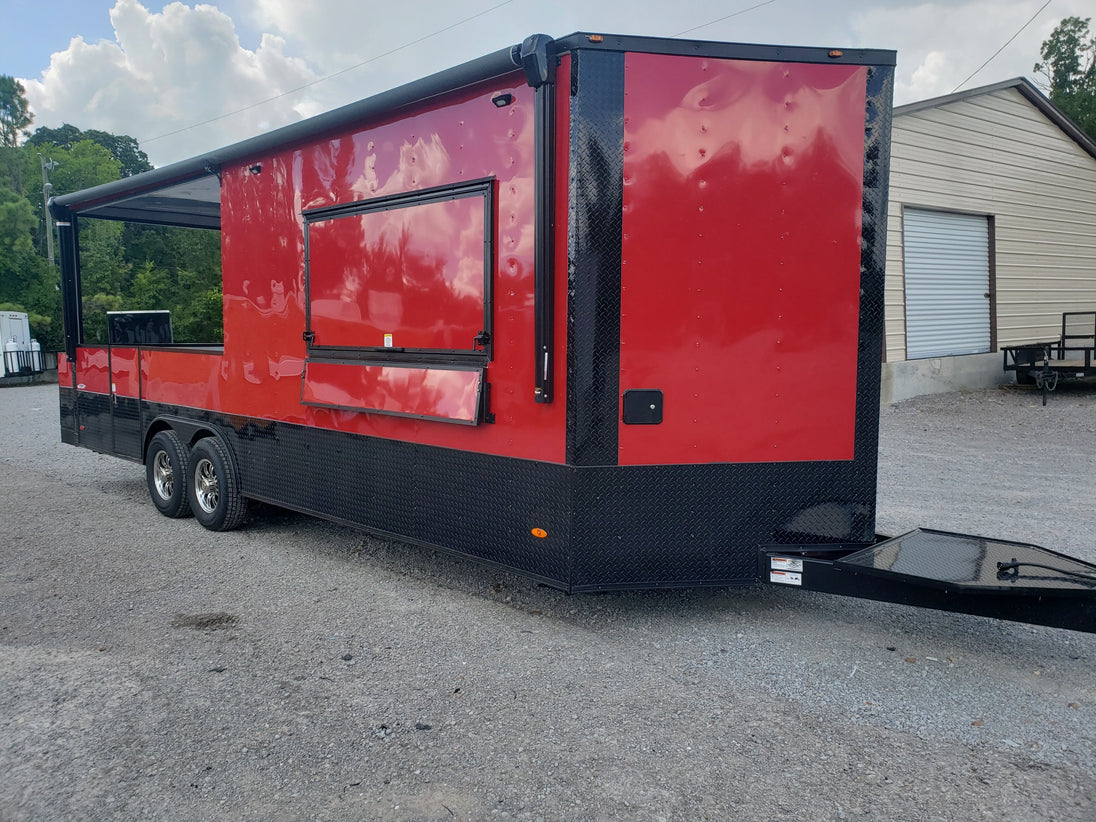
[
  {"x": 482, "y": 340},
  {"x": 642, "y": 406},
  {"x": 309, "y": 337}
]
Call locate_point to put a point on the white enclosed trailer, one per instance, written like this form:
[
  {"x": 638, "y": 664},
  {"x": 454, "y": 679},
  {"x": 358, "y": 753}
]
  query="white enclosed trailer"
[{"x": 21, "y": 354}]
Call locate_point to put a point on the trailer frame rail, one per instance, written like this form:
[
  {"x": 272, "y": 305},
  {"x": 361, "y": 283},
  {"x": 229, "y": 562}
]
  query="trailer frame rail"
[
  {"x": 1071, "y": 356},
  {"x": 947, "y": 571}
]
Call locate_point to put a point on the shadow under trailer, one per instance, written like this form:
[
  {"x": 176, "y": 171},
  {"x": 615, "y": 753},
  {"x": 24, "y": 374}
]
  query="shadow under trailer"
[{"x": 606, "y": 311}]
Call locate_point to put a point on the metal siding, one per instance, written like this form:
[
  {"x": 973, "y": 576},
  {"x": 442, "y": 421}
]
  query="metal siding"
[
  {"x": 997, "y": 154},
  {"x": 1011, "y": 130},
  {"x": 1047, "y": 164},
  {"x": 947, "y": 276}
]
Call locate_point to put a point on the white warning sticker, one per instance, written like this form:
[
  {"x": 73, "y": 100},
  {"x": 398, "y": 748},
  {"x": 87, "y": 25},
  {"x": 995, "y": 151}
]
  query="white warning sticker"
[
  {"x": 785, "y": 564},
  {"x": 785, "y": 577}
]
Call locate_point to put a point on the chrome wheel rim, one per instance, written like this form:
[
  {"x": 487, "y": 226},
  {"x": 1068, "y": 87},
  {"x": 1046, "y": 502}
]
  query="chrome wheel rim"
[
  {"x": 206, "y": 490},
  {"x": 163, "y": 477}
]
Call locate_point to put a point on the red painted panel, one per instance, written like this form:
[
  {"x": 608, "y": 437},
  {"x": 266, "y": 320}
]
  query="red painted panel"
[
  {"x": 741, "y": 257},
  {"x": 92, "y": 370},
  {"x": 454, "y": 139},
  {"x": 123, "y": 372},
  {"x": 395, "y": 389},
  {"x": 64, "y": 370},
  {"x": 409, "y": 277},
  {"x": 186, "y": 378}
]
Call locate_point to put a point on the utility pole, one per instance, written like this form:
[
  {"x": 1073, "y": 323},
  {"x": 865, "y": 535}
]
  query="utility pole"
[{"x": 47, "y": 166}]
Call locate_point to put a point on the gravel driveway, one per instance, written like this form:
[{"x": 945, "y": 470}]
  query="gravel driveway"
[{"x": 300, "y": 670}]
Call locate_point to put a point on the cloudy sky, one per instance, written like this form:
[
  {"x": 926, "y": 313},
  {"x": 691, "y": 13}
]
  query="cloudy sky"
[{"x": 184, "y": 77}]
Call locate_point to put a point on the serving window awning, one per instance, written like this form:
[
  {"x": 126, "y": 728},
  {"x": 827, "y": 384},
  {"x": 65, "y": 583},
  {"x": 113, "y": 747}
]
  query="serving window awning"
[{"x": 191, "y": 203}]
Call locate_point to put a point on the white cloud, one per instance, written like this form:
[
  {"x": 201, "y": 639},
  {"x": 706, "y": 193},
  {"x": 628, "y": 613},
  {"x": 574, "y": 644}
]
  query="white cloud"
[
  {"x": 940, "y": 44},
  {"x": 166, "y": 71}
]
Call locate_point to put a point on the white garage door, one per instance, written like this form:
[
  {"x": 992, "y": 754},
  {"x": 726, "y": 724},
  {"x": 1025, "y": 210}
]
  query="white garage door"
[{"x": 946, "y": 262}]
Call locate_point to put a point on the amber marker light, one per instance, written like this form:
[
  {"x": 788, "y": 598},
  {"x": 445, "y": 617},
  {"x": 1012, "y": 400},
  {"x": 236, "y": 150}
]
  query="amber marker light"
[
  {"x": 539, "y": 533},
  {"x": 595, "y": 38},
  {"x": 836, "y": 52}
]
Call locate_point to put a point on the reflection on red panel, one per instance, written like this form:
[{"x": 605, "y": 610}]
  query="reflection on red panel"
[
  {"x": 185, "y": 378},
  {"x": 741, "y": 258},
  {"x": 64, "y": 370},
  {"x": 124, "y": 379},
  {"x": 411, "y": 391},
  {"x": 410, "y": 277},
  {"x": 92, "y": 370},
  {"x": 460, "y": 138}
]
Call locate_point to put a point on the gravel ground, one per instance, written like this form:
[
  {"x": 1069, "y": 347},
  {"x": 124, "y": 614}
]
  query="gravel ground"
[{"x": 299, "y": 670}]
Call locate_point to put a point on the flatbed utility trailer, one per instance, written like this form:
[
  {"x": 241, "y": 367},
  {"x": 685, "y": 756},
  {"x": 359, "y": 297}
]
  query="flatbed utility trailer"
[
  {"x": 1071, "y": 356},
  {"x": 606, "y": 311}
]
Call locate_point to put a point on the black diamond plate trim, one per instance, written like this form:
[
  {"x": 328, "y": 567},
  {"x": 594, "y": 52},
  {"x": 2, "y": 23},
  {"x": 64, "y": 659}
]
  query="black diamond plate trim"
[
  {"x": 649, "y": 526},
  {"x": 596, "y": 185},
  {"x": 873, "y": 256},
  {"x": 67, "y": 399},
  {"x": 479, "y": 505},
  {"x": 94, "y": 422},
  {"x": 128, "y": 428}
]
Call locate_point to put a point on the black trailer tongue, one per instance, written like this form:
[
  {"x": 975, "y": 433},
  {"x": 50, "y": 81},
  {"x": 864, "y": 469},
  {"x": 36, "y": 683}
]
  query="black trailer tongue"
[{"x": 949, "y": 572}]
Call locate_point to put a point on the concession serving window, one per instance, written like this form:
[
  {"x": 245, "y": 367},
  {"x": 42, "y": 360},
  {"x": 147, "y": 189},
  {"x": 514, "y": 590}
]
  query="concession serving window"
[
  {"x": 402, "y": 274},
  {"x": 399, "y": 303}
]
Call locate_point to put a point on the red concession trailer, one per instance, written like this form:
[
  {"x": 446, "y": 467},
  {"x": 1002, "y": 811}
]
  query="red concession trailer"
[{"x": 603, "y": 310}]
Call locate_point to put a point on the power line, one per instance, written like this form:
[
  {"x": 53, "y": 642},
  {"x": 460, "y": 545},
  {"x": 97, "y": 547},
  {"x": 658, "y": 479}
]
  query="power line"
[
  {"x": 725, "y": 17},
  {"x": 1007, "y": 42},
  {"x": 329, "y": 76}
]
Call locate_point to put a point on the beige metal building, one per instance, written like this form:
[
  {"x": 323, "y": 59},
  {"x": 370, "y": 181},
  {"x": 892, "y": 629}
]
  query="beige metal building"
[{"x": 991, "y": 234}]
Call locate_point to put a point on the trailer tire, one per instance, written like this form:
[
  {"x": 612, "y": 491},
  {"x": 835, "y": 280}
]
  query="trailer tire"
[
  {"x": 166, "y": 472},
  {"x": 214, "y": 487}
]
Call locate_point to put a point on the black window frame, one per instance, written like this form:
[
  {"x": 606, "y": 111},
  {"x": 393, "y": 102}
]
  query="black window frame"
[{"x": 480, "y": 350}]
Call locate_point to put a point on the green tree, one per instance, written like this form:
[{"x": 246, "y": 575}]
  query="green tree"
[
  {"x": 15, "y": 115},
  {"x": 105, "y": 276},
  {"x": 40, "y": 299},
  {"x": 104, "y": 273},
  {"x": 187, "y": 279},
  {"x": 17, "y": 222},
  {"x": 17, "y": 226},
  {"x": 84, "y": 165},
  {"x": 150, "y": 288},
  {"x": 95, "y": 316},
  {"x": 80, "y": 166},
  {"x": 26, "y": 283},
  {"x": 124, "y": 266},
  {"x": 1069, "y": 66},
  {"x": 122, "y": 147}
]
